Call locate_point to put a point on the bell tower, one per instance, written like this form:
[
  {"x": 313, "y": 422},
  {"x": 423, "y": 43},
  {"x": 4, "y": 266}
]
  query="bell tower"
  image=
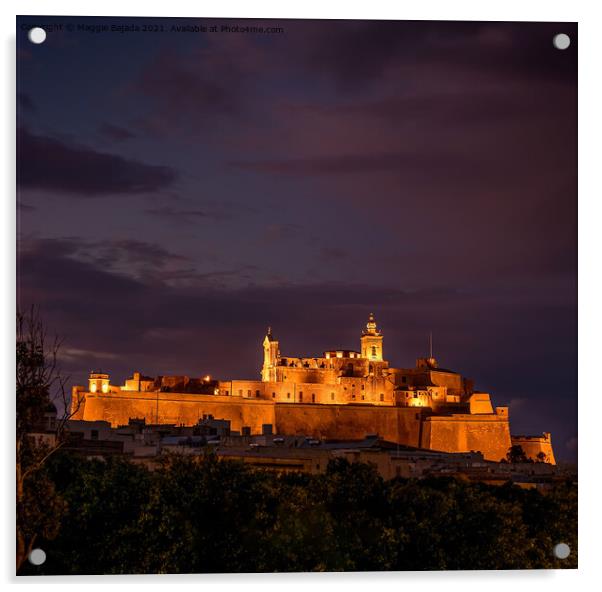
[
  {"x": 372, "y": 341},
  {"x": 271, "y": 355}
]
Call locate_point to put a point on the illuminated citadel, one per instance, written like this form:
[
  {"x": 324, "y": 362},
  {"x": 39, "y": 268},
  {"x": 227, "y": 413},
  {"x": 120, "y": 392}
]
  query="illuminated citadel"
[{"x": 344, "y": 394}]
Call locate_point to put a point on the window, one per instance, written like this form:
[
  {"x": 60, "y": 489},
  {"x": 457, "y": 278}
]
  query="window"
[
  {"x": 382, "y": 397},
  {"x": 373, "y": 351},
  {"x": 248, "y": 393},
  {"x": 363, "y": 397},
  {"x": 363, "y": 386},
  {"x": 257, "y": 393},
  {"x": 300, "y": 397},
  {"x": 240, "y": 392},
  {"x": 353, "y": 396},
  {"x": 226, "y": 392},
  {"x": 332, "y": 396},
  {"x": 288, "y": 395},
  {"x": 313, "y": 397},
  {"x": 273, "y": 395}
]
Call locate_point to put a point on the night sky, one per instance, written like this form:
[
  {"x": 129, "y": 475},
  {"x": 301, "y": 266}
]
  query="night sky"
[{"x": 178, "y": 192}]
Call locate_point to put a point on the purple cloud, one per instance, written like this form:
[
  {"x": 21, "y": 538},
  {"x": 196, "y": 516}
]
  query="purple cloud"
[
  {"x": 58, "y": 166},
  {"x": 115, "y": 132}
]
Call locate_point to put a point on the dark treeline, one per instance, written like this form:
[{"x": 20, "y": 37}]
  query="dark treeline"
[{"x": 208, "y": 515}]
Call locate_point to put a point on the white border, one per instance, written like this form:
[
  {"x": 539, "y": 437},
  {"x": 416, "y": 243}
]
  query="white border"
[{"x": 590, "y": 98}]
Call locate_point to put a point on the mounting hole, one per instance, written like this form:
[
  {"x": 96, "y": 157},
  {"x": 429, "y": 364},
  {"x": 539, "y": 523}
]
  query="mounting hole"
[
  {"x": 561, "y": 41},
  {"x": 562, "y": 550},
  {"x": 37, "y": 557},
  {"x": 37, "y": 35}
]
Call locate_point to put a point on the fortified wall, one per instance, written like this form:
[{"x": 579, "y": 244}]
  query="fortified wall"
[
  {"x": 536, "y": 448},
  {"x": 173, "y": 408},
  {"x": 343, "y": 394}
]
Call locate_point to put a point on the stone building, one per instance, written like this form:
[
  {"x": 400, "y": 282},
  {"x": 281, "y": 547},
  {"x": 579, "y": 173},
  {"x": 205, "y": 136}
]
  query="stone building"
[{"x": 341, "y": 394}]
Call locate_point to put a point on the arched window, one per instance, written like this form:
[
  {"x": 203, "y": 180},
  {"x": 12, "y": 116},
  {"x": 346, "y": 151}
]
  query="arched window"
[{"x": 373, "y": 351}]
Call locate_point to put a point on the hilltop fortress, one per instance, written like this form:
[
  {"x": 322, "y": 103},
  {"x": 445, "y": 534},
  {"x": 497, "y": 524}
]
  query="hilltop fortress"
[{"x": 343, "y": 394}]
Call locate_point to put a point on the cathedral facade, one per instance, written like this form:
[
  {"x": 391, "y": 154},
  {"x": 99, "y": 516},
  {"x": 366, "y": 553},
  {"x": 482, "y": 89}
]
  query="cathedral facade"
[{"x": 343, "y": 394}]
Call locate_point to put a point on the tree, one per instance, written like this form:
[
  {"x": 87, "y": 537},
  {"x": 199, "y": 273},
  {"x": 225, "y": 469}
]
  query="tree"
[
  {"x": 38, "y": 384},
  {"x": 202, "y": 514},
  {"x": 516, "y": 454}
]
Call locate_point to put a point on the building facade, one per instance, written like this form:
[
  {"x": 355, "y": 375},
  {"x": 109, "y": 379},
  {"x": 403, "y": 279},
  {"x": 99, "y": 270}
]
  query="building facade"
[{"x": 343, "y": 394}]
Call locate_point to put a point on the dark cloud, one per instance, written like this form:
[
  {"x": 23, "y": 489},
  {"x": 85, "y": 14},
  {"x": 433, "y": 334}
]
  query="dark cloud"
[
  {"x": 140, "y": 260},
  {"x": 148, "y": 263},
  {"x": 135, "y": 251},
  {"x": 115, "y": 132},
  {"x": 178, "y": 216},
  {"x": 199, "y": 89},
  {"x": 57, "y": 166},
  {"x": 211, "y": 211},
  {"x": 183, "y": 84},
  {"x": 513, "y": 50},
  {"x": 348, "y": 164}
]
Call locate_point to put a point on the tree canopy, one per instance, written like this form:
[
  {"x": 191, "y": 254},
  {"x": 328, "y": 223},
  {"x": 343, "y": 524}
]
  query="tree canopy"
[{"x": 203, "y": 515}]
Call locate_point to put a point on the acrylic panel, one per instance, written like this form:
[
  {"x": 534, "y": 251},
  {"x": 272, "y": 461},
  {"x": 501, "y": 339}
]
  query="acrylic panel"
[{"x": 295, "y": 295}]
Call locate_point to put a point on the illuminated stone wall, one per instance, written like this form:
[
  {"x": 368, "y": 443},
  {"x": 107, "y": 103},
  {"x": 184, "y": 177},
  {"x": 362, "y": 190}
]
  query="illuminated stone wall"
[
  {"x": 405, "y": 425},
  {"x": 395, "y": 424},
  {"x": 533, "y": 445},
  {"x": 489, "y": 434},
  {"x": 175, "y": 408},
  {"x": 329, "y": 421}
]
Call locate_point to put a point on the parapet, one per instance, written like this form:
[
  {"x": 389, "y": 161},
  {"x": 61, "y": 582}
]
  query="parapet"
[{"x": 480, "y": 403}]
